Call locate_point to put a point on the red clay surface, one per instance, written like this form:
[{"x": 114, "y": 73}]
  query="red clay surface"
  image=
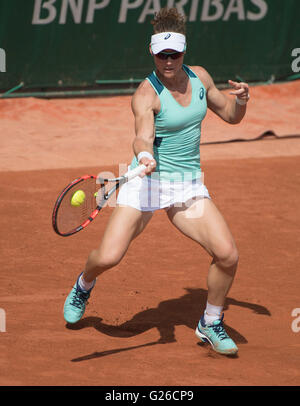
[{"x": 139, "y": 326}]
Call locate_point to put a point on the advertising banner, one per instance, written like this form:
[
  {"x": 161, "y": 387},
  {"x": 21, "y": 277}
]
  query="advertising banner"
[{"x": 48, "y": 44}]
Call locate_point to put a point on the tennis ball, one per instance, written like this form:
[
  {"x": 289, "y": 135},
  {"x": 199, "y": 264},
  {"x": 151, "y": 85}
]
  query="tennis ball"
[{"x": 78, "y": 198}]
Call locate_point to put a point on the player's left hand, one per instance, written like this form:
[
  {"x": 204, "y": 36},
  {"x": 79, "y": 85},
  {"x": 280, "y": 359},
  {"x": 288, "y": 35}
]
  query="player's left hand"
[{"x": 241, "y": 90}]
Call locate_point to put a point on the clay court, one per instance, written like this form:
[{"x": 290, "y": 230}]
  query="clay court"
[{"x": 138, "y": 328}]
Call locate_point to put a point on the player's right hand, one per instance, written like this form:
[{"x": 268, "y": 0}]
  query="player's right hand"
[{"x": 150, "y": 166}]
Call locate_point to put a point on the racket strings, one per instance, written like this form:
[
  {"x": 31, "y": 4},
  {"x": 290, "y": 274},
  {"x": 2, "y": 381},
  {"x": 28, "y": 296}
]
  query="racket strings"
[
  {"x": 68, "y": 216},
  {"x": 73, "y": 213}
]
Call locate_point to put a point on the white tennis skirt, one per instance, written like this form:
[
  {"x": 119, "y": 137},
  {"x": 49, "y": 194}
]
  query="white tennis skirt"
[{"x": 150, "y": 194}]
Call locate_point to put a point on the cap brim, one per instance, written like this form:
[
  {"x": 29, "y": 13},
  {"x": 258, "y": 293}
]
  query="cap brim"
[{"x": 157, "y": 48}]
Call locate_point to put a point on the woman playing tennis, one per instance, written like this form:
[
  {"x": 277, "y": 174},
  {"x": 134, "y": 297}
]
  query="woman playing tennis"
[{"x": 168, "y": 108}]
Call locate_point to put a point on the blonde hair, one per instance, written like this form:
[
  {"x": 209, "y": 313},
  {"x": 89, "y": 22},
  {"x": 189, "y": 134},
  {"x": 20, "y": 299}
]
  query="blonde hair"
[{"x": 169, "y": 19}]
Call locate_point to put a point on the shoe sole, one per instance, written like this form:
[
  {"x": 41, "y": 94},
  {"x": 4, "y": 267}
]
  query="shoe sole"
[{"x": 205, "y": 339}]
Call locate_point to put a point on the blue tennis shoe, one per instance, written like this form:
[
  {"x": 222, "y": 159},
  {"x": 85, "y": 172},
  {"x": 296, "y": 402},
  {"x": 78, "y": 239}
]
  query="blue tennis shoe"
[
  {"x": 75, "y": 303},
  {"x": 216, "y": 336}
]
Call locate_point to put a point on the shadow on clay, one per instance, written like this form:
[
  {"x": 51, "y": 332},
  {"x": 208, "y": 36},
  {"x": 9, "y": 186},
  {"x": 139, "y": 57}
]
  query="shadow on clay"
[{"x": 185, "y": 311}]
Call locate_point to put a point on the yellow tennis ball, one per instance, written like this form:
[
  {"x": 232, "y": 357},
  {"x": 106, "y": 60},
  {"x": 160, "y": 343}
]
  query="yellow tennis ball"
[{"x": 78, "y": 198}]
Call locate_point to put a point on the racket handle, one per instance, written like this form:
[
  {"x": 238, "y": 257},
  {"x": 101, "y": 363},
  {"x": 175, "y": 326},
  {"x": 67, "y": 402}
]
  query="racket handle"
[{"x": 135, "y": 172}]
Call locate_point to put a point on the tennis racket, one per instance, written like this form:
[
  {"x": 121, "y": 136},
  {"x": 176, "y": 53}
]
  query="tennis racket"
[{"x": 68, "y": 219}]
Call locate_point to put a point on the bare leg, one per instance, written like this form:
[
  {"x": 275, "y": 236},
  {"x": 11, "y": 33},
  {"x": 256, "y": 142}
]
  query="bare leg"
[
  {"x": 219, "y": 281},
  {"x": 124, "y": 225},
  {"x": 203, "y": 223}
]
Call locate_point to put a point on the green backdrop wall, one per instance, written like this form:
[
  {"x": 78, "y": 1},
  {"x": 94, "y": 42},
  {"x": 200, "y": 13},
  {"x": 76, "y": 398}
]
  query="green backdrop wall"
[{"x": 73, "y": 43}]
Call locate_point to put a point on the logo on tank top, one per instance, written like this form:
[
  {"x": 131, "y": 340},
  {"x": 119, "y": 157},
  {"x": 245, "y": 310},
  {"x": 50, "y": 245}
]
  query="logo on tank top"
[
  {"x": 201, "y": 94},
  {"x": 167, "y": 36}
]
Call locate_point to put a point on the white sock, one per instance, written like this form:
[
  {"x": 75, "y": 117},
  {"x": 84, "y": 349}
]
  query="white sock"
[
  {"x": 212, "y": 313},
  {"x": 85, "y": 285}
]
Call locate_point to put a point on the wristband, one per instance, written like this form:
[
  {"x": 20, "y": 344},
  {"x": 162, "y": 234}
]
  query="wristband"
[
  {"x": 144, "y": 154},
  {"x": 242, "y": 102}
]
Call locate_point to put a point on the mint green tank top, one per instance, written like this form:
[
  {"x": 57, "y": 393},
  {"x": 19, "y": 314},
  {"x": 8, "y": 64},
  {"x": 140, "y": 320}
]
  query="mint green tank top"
[{"x": 177, "y": 131}]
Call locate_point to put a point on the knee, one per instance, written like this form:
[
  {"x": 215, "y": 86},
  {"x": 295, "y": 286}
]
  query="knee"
[
  {"x": 228, "y": 257},
  {"x": 104, "y": 260}
]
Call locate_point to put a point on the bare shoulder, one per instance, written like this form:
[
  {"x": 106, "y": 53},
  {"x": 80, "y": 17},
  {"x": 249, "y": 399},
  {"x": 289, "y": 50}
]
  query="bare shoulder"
[
  {"x": 203, "y": 75},
  {"x": 144, "y": 98}
]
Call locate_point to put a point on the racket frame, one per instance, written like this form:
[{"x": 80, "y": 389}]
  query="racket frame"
[{"x": 119, "y": 181}]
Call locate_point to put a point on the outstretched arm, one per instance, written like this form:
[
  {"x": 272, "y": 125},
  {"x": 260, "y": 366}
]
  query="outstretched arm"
[{"x": 142, "y": 108}]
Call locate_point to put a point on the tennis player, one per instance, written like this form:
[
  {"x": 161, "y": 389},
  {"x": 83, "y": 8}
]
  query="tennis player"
[{"x": 168, "y": 107}]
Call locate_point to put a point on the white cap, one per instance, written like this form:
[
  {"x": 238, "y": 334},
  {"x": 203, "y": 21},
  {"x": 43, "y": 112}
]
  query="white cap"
[{"x": 168, "y": 40}]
